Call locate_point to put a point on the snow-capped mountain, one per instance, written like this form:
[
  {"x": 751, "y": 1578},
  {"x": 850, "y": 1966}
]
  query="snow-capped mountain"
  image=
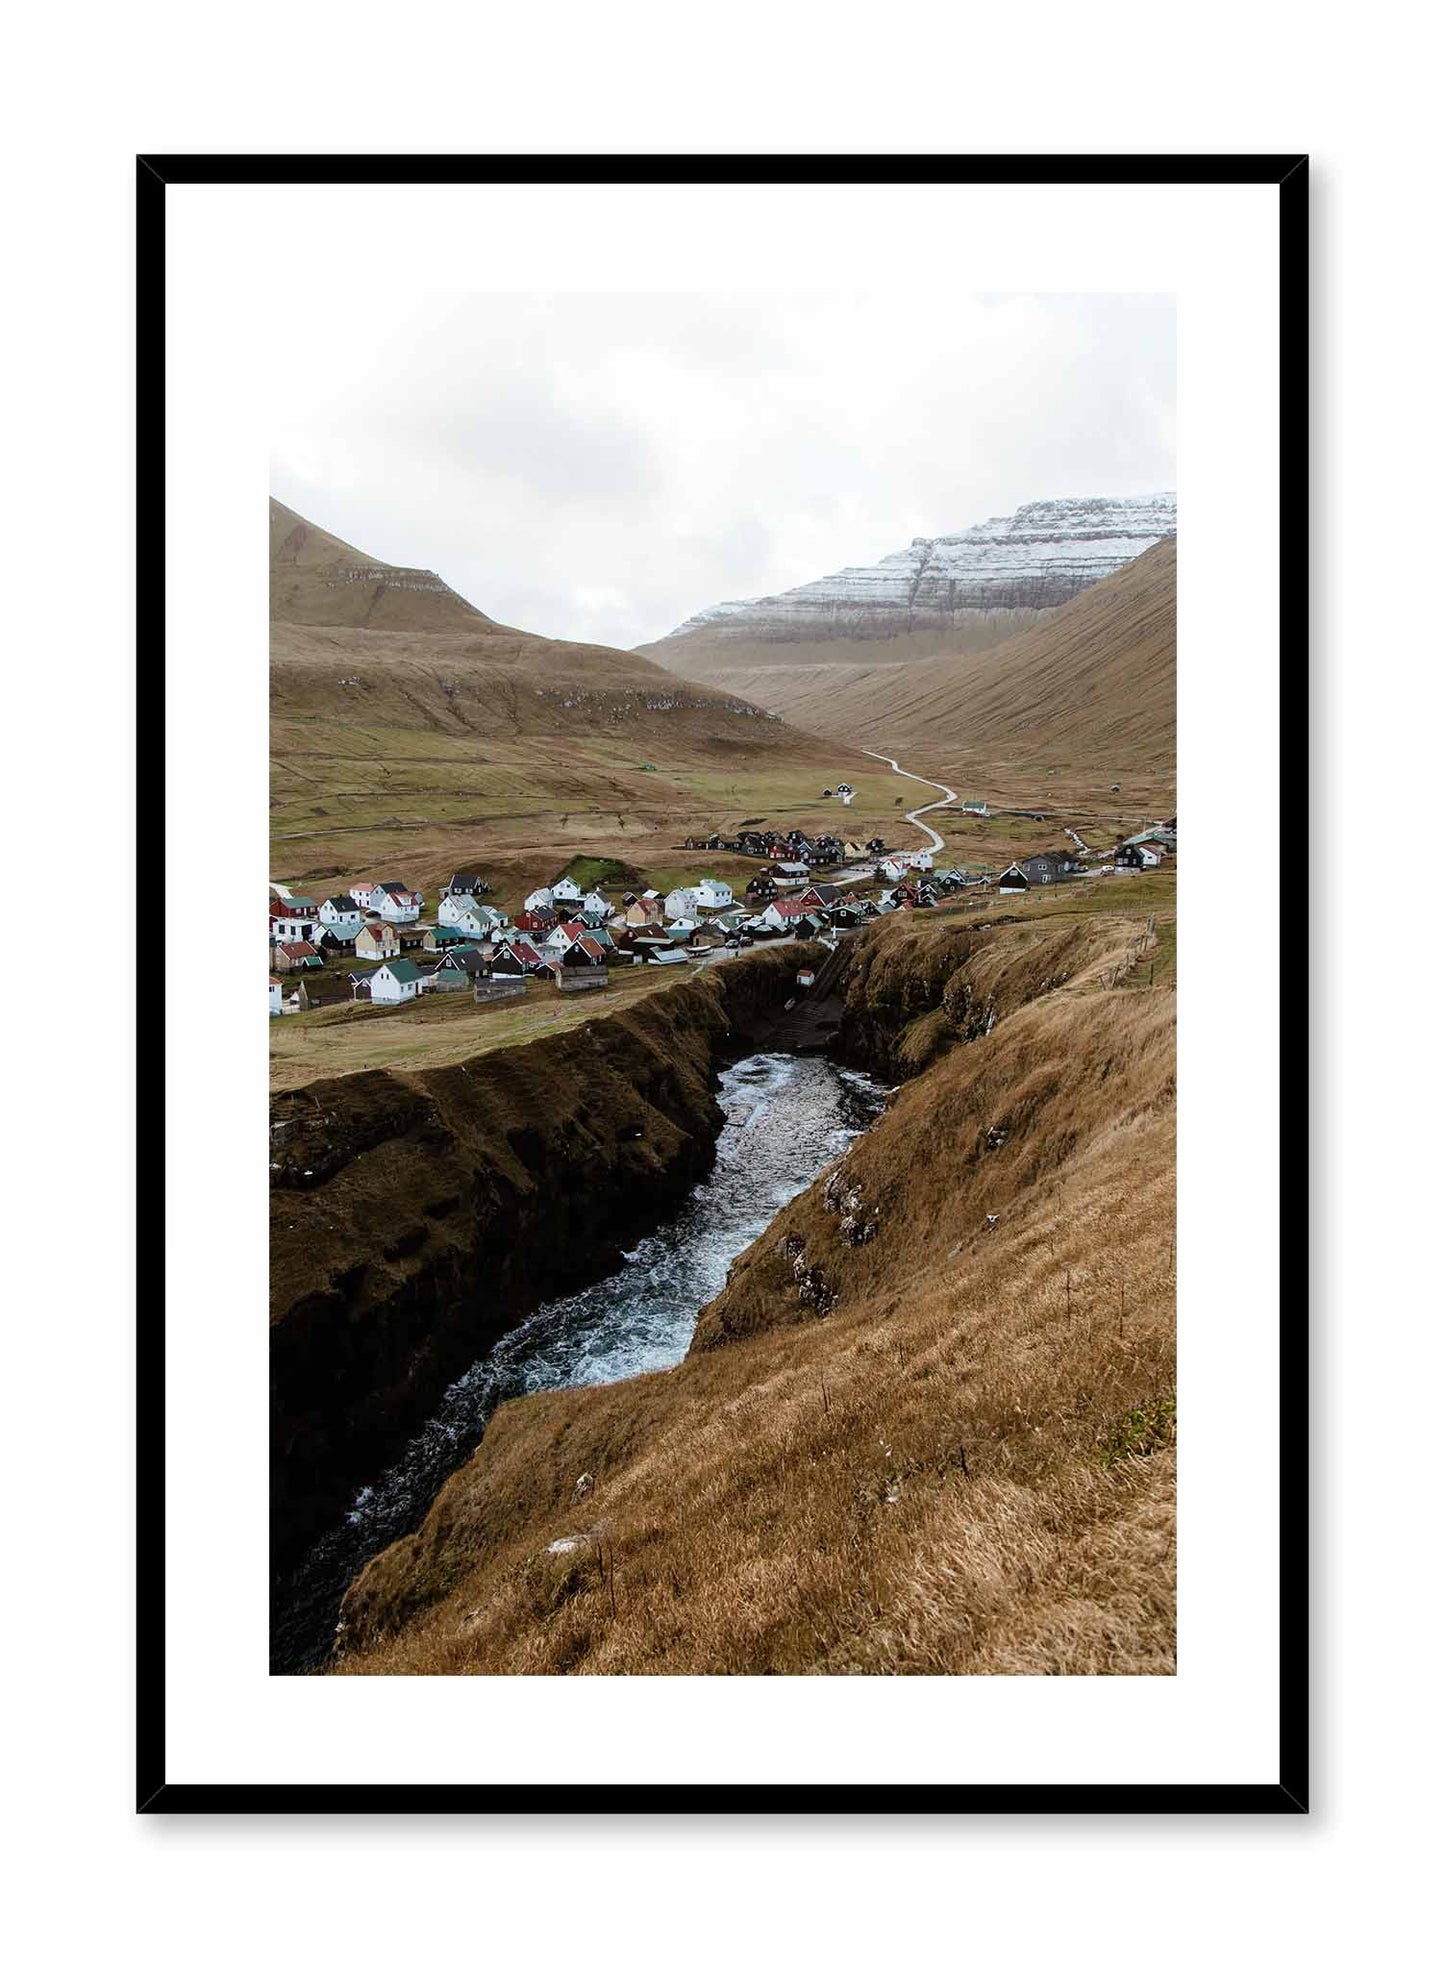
[{"x": 1038, "y": 557}]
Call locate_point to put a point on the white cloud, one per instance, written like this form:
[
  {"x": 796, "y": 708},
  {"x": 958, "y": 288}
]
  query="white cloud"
[{"x": 601, "y": 467}]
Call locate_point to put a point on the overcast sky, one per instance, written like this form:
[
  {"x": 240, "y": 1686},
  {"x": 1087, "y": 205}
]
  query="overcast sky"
[{"x": 601, "y": 467}]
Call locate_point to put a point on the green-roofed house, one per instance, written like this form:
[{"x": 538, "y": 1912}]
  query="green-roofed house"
[{"x": 395, "y": 981}]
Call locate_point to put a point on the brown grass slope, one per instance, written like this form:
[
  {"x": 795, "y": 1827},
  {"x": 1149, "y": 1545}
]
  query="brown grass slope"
[
  {"x": 398, "y": 710},
  {"x": 1096, "y": 678},
  {"x": 922, "y": 1447},
  {"x": 718, "y": 655}
]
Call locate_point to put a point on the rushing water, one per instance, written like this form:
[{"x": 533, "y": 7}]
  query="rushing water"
[{"x": 787, "y": 1118}]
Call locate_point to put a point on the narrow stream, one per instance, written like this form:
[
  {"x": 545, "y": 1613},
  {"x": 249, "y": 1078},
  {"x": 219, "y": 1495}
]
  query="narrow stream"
[{"x": 787, "y": 1118}]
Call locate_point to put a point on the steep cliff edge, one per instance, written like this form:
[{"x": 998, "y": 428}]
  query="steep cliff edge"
[
  {"x": 417, "y": 1217},
  {"x": 928, "y": 1425}
]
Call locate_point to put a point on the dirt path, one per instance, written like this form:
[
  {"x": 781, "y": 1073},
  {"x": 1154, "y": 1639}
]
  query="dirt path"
[{"x": 935, "y": 839}]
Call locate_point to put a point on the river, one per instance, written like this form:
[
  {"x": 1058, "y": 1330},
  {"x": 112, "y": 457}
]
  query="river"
[{"x": 787, "y": 1117}]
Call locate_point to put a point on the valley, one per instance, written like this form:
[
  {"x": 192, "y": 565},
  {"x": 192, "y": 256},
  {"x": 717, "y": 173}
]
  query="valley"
[{"x": 919, "y": 1418}]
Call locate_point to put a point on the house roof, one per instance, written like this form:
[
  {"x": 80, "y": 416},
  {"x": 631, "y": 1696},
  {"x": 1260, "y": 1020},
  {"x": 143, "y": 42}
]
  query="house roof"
[
  {"x": 396, "y": 888},
  {"x": 592, "y": 947},
  {"x": 298, "y": 949},
  {"x": 403, "y": 970},
  {"x": 346, "y": 904},
  {"x": 378, "y": 929},
  {"x": 790, "y": 908},
  {"x": 277, "y": 983}
]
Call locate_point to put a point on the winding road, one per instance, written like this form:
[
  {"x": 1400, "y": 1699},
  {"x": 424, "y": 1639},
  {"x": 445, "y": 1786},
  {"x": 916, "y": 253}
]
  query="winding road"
[{"x": 935, "y": 839}]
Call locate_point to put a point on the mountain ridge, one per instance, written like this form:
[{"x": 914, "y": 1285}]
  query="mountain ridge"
[{"x": 976, "y": 586}]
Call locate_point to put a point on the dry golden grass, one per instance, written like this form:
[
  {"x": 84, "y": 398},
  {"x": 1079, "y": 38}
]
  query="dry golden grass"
[
  {"x": 1081, "y": 699},
  {"x": 442, "y": 1030},
  {"x": 410, "y": 732},
  {"x": 966, "y": 1466}
]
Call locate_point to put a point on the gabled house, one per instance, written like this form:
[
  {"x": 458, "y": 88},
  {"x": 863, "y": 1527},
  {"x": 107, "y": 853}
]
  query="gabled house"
[
  {"x": 762, "y": 888},
  {"x": 563, "y": 937},
  {"x": 821, "y": 895},
  {"x": 585, "y": 954},
  {"x": 378, "y": 939},
  {"x": 894, "y": 868},
  {"x": 539, "y": 899},
  {"x": 566, "y": 890},
  {"x": 395, "y": 981},
  {"x": 275, "y": 998},
  {"x": 1013, "y": 881},
  {"x": 1042, "y": 870},
  {"x": 644, "y": 910},
  {"x": 595, "y": 907},
  {"x": 517, "y": 957},
  {"x": 341, "y": 917},
  {"x": 679, "y": 904},
  {"x": 294, "y": 919},
  {"x": 536, "y": 922},
  {"x": 459, "y": 967},
  {"x": 396, "y": 902},
  {"x": 792, "y": 871},
  {"x": 468, "y": 916},
  {"x": 467, "y": 883},
  {"x": 297, "y": 957},
  {"x": 786, "y": 913},
  {"x": 362, "y": 890},
  {"x": 711, "y": 893}
]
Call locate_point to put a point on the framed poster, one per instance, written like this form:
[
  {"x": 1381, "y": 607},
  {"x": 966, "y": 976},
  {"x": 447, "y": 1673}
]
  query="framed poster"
[{"x": 779, "y": 1292}]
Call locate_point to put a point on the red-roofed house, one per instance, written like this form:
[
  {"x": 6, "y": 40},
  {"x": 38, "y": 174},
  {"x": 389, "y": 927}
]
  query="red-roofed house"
[
  {"x": 297, "y": 957},
  {"x": 786, "y": 912}
]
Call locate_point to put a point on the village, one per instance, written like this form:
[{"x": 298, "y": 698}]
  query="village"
[{"x": 376, "y": 945}]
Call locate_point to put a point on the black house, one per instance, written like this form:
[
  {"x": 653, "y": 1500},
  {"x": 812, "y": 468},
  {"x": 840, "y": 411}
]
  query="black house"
[{"x": 467, "y": 883}]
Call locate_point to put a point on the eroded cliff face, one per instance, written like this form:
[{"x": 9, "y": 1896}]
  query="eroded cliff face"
[
  {"x": 928, "y": 1425},
  {"x": 416, "y": 1218}
]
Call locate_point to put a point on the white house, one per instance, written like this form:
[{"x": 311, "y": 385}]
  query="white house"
[
  {"x": 472, "y": 918},
  {"x": 678, "y": 904},
  {"x": 539, "y": 899},
  {"x": 786, "y": 913},
  {"x": 921, "y": 859},
  {"x": 362, "y": 890},
  {"x": 565, "y": 891},
  {"x": 596, "y": 908},
  {"x": 710, "y": 893},
  {"x": 341, "y": 915},
  {"x": 275, "y": 998},
  {"x": 396, "y": 903},
  {"x": 395, "y": 981},
  {"x": 895, "y": 868},
  {"x": 564, "y": 936}
]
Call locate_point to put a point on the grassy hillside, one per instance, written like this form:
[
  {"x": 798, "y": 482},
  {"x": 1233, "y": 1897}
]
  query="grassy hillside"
[
  {"x": 1081, "y": 700},
  {"x": 410, "y": 732},
  {"x": 718, "y": 656},
  {"x": 928, "y": 1426}
]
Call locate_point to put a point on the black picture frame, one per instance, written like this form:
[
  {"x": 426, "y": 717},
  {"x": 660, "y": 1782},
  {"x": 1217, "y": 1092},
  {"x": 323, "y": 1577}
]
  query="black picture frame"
[{"x": 1290, "y": 1794}]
